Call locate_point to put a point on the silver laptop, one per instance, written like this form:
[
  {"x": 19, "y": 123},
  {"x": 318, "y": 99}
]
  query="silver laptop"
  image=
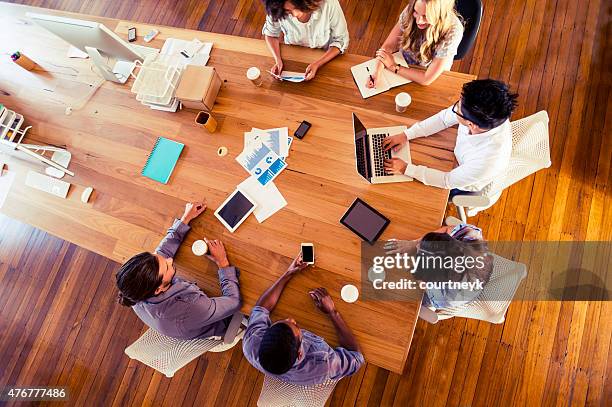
[{"x": 370, "y": 155}]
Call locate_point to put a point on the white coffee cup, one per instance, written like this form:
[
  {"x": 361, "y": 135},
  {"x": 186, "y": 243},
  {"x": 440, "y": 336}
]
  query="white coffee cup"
[
  {"x": 254, "y": 75},
  {"x": 349, "y": 293},
  {"x": 199, "y": 248},
  {"x": 402, "y": 100}
]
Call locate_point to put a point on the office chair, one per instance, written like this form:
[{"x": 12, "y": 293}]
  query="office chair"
[
  {"x": 530, "y": 153},
  {"x": 167, "y": 355},
  {"x": 471, "y": 11},
  {"x": 276, "y": 393},
  {"x": 492, "y": 302}
]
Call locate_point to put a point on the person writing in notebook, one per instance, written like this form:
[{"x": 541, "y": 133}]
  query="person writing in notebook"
[
  {"x": 484, "y": 138},
  {"x": 308, "y": 23},
  {"x": 285, "y": 351},
  {"x": 428, "y": 34},
  {"x": 171, "y": 305}
]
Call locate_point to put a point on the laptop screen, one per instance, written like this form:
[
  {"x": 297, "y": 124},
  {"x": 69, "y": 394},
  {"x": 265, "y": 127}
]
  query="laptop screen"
[{"x": 361, "y": 147}]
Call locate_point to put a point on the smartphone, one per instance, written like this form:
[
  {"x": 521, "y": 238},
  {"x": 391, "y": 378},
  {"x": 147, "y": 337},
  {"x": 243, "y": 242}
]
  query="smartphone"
[
  {"x": 302, "y": 130},
  {"x": 308, "y": 253},
  {"x": 132, "y": 34}
]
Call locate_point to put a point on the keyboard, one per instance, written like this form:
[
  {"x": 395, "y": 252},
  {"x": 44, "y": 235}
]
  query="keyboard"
[
  {"x": 144, "y": 51},
  {"x": 379, "y": 154}
]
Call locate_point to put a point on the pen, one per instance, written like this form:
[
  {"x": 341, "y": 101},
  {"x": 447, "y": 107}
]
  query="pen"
[{"x": 368, "y": 69}]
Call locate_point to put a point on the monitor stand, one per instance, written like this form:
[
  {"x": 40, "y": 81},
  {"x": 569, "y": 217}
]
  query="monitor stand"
[{"x": 120, "y": 73}]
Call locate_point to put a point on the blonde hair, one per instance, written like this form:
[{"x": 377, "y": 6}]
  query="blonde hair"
[{"x": 440, "y": 15}]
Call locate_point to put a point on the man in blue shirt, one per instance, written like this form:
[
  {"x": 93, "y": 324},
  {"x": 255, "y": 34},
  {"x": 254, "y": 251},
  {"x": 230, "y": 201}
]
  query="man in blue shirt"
[{"x": 290, "y": 354}]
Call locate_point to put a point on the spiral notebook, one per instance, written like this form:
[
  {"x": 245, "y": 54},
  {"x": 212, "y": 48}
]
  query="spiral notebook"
[{"x": 162, "y": 160}]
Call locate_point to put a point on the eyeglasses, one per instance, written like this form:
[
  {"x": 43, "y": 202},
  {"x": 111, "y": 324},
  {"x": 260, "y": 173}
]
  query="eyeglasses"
[{"x": 454, "y": 110}]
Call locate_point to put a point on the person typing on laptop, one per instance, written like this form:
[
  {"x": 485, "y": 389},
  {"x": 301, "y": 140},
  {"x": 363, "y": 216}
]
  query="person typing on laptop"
[{"x": 484, "y": 138}]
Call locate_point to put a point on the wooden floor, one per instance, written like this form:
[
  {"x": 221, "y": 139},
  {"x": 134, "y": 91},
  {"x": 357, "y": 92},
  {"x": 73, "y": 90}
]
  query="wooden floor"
[{"x": 60, "y": 325}]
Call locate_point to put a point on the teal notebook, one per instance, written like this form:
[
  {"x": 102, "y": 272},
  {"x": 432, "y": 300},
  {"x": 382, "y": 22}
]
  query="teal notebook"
[{"x": 162, "y": 160}]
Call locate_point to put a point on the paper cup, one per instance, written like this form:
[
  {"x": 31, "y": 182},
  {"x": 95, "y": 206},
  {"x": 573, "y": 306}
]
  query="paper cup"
[
  {"x": 402, "y": 100},
  {"x": 254, "y": 75},
  {"x": 349, "y": 293},
  {"x": 199, "y": 248}
]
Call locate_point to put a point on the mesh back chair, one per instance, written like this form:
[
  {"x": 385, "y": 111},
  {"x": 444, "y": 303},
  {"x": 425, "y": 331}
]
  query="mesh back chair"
[
  {"x": 471, "y": 12},
  {"x": 167, "y": 355},
  {"x": 276, "y": 393},
  {"x": 530, "y": 153},
  {"x": 492, "y": 302}
]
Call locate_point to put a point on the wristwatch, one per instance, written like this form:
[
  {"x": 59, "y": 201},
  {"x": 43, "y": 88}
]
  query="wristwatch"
[{"x": 397, "y": 68}]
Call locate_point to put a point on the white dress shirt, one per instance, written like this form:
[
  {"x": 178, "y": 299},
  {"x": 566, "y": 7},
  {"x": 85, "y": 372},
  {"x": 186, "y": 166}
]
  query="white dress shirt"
[
  {"x": 326, "y": 28},
  {"x": 481, "y": 157}
]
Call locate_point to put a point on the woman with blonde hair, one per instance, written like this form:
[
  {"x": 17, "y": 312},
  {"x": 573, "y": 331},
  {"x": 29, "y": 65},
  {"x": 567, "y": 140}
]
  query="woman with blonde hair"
[{"x": 428, "y": 34}]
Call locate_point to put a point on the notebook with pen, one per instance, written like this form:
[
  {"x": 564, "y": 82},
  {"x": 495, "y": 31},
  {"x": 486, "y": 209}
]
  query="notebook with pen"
[
  {"x": 162, "y": 160},
  {"x": 387, "y": 81}
]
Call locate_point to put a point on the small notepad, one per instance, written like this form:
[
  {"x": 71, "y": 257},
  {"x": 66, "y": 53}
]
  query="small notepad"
[
  {"x": 162, "y": 160},
  {"x": 387, "y": 80}
]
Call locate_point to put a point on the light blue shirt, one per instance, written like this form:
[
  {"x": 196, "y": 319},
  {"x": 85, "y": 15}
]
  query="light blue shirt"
[{"x": 319, "y": 361}]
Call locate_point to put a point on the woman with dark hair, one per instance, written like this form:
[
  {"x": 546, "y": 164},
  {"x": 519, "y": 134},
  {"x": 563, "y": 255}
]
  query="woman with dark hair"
[
  {"x": 453, "y": 254},
  {"x": 148, "y": 283},
  {"x": 308, "y": 23},
  {"x": 428, "y": 34}
]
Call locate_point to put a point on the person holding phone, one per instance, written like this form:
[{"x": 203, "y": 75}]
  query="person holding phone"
[
  {"x": 294, "y": 355},
  {"x": 308, "y": 23},
  {"x": 428, "y": 34},
  {"x": 171, "y": 305}
]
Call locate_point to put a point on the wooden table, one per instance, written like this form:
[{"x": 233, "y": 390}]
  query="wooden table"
[{"x": 109, "y": 134}]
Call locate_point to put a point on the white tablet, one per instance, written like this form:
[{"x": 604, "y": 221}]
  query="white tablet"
[{"x": 234, "y": 210}]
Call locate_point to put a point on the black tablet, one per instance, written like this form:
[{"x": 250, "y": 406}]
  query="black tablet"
[{"x": 365, "y": 221}]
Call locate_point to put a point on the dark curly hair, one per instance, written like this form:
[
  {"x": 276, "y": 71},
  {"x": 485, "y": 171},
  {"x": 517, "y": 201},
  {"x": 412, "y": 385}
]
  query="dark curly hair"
[
  {"x": 138, "y": 279},
  {"x": 278, "y": 350},
  {"x": 276, "y": 8},
  {"x": 487, "y": 102}
]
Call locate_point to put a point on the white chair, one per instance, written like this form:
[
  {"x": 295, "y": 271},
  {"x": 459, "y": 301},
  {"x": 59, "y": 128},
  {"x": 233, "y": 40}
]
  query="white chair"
[
  {"x": 276, "y": 393},
  {"x": 492, "y": 302},
  {"x": 530, "y": 153},
  {"x": 167, "y": 355}
]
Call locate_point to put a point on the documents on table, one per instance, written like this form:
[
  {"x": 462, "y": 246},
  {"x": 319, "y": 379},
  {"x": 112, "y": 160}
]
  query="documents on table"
[
  {"x": 386, "y": 81},
  {"x": 276, "y": 139},
  {"x": 261, "y": 162},
  {"x": 175, "y": 50},
  {"x": 268, "y": 198}
]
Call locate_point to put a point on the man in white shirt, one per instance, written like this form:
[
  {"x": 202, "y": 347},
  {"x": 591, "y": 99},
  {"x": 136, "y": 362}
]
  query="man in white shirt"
[
  {"x": 308, "y": 23},
  {"x": 484, "y": 138}
]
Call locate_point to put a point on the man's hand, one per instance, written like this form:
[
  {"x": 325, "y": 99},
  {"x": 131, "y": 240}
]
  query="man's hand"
[
  {"x": 393, "y": 246},
  {"x": 385, "y": 57},
  {"x": 192, "y": 211},
  {"x": 322, "y": 300},
  {"x": 395, "y": 142},
  {"x": 311, "y": 71},
  {"x": 296, "y": 265},
  {"x": 277, "y": 69},
  {"x": 395, "y": 166},
  {"x": 217, "y": 253}
]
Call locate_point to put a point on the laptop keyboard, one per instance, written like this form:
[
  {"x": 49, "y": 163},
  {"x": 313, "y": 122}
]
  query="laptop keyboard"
[{"x": 379, "y": 154}]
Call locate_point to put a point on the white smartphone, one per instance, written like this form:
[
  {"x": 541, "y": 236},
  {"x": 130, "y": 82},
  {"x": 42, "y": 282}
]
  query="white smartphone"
[{"x": 308, "y": 253}]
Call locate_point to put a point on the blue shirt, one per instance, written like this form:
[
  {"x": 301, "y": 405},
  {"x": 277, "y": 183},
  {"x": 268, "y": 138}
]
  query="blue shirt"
[{"x": 318, "y": 363}]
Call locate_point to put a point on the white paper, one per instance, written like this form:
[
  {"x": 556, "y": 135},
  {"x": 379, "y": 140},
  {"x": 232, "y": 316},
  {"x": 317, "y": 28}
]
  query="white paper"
[
  {"x": 6, "y": 180},
  {"x": 268, "y": 198},
  {"x": 74, "y": 52},
  {"x": 276, "y": 139},
  {"x": 262, "y": 163},
  {"x": 387, "y": 80},
  {"x": 171, "y": 52}
]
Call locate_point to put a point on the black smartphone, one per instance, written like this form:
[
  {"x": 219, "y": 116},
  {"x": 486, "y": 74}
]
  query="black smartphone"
[
  {"x": 308, "y": 253},
  {"x": 302, "y": 130},
  {"x": 132, "y": 34}
]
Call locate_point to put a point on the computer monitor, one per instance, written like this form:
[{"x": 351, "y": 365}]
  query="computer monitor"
[{"x": 94, "y": 39}]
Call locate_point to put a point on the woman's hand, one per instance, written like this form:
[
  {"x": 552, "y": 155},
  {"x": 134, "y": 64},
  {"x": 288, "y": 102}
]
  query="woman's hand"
[{"x": 386, "y": 58}]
